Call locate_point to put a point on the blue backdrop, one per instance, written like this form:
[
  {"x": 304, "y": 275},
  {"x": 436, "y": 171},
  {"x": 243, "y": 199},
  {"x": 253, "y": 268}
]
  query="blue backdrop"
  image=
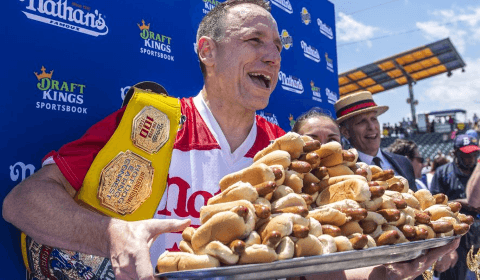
[{"x": 67, "y": 64}]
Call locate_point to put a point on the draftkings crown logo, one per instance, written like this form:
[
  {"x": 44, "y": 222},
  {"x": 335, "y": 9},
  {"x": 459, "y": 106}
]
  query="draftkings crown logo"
[
  {"x": 58, "y": 95},
  {"x": 329, "y": 63},
  {"x": 209, "y": 5},
  {"x": 75, "y": 17},
  {"x": 316, "y": 95},
  {"x": 155, "y": 44}
]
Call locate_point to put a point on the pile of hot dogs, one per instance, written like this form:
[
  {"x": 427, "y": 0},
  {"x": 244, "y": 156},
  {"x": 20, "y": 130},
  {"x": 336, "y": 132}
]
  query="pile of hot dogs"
[{"x": 300, "y": 198}]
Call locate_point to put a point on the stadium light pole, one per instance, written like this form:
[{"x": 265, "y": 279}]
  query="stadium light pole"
[{"x": 411, "y": 82}]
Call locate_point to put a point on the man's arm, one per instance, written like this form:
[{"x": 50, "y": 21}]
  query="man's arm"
[
  {"x": 42, "y": 207},
  {"x": 473, "y": 188}
]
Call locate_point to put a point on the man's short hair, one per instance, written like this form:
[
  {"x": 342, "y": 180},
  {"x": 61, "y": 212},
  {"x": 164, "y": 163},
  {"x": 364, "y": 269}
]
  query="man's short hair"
[
  {"x": 404, "y": 147},
  {"x": 212, "y": 23}
]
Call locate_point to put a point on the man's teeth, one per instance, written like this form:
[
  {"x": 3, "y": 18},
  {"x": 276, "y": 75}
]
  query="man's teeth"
[{"x": 262, "y": 75}]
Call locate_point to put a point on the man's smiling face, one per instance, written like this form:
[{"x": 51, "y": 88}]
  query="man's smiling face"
[
  {"x": 248, "y": 56},
  {"x": 363, "y": 132}
]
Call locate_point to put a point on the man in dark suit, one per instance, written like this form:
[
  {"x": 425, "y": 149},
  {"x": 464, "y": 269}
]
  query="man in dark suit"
[{"x": 357, "y": 116}]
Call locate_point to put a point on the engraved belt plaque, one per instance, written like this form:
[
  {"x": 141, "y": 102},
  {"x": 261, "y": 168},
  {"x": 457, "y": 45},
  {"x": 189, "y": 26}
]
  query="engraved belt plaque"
[
  {"x": 125, "y": 183},
  {"x": 150, "y": 129}
]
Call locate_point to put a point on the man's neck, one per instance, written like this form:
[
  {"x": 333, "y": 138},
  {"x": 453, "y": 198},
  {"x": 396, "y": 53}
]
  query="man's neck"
[{"x": 235, "y": 122}]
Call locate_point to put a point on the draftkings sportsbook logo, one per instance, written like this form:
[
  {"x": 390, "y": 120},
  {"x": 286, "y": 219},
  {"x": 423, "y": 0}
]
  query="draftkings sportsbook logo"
[
  {"x": 329, "y": 63},
  {"x": 331, "y": 95},
  {"x": 316, "y": 95},
  {"x": 287, "y": 40},
  {"x": 290, "y": 83},
  {"x": 325, "y": 29},
  {"x": 310, "y": 52},
  {"x": 155, "y": 44},
  {"x": 306, "y": 18},
  {"x": 209, "y": 5},
  {"x": 73, "y": 17},
  {"x": 269, "y": 117},
  {"x": 59, "y": 95},
  {"x": 284, "y": 5}
]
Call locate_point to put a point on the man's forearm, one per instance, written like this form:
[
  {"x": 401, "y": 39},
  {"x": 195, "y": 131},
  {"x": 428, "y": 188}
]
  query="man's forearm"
[
  {"x": 42, "y": 208},
  {"x": 473, "y": 188}
]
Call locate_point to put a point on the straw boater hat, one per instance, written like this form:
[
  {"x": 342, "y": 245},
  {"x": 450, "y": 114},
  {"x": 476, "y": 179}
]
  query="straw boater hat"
[{"x": 357, "y": 103}]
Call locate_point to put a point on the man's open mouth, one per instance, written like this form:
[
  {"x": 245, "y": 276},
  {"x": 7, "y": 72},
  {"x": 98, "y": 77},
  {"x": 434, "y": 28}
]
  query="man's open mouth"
[{"x": 260, "y": 79}]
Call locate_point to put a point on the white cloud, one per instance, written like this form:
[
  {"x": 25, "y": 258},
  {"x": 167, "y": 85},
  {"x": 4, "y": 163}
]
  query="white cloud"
[
  {"x": 460, "y": 91},
  {"x": 461, "y": 25},
  {"x": 349, "y": 30}
]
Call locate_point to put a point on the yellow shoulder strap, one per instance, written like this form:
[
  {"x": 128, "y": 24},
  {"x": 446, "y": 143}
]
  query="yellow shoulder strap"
[{"x": 128, "y": 177}]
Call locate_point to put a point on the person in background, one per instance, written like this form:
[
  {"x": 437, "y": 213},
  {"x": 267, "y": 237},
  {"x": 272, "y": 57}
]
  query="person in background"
[
  {"x": 357, "y": 117},
  {"x": 451, "y": 179},
  {"x": 436, "y": 163},
  {"x": 427, "y": 166},
  {"x": 319, "y": 126},
  {"x": 473, "y": 188},
  {"x": 409, "y": 149}
]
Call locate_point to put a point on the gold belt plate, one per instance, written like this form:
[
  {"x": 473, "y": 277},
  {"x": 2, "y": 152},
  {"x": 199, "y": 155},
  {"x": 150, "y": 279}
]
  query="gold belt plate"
[{"x": 125, "y": 183}]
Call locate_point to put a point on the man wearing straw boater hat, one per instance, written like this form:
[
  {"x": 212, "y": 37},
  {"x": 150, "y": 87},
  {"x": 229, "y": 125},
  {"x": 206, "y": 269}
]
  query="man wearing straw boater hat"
[{"x": 357, "y": 116}]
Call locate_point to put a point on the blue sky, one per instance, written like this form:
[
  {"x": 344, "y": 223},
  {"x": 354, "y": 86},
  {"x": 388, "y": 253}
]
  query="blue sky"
[{"x": 404, "y": 25}]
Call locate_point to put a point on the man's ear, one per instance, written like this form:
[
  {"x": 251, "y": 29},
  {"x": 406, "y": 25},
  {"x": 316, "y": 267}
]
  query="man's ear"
[
  {"x": 206, "y": 50},
  {"x": 344, "y": 131}
]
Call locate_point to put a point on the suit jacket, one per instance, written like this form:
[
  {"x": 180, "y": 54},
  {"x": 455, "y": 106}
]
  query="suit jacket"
[{"x": 403, "y": 167}]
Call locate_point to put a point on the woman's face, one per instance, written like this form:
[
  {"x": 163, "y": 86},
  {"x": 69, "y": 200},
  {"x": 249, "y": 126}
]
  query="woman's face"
[{"x": 321, "y": 129}]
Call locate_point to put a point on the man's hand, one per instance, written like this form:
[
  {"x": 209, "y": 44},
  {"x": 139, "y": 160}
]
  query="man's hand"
[
  {"x": 414, "y": 268},
  {"x": 129, "y": 245},
  {"x": 447, "y": 261}
]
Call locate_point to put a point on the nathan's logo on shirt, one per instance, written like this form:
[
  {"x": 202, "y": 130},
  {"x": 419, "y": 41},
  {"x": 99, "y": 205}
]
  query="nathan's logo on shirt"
[
  {"x": 329, "y": 63},
  {"x": 325, "y": 29},
  {"x": 59, "y": 95},
  {"x": 19, "y": 171},
  {"x": 287, "y": 40},
  {"x": 269, "y": 117},
  {"x": 290, "y": 83},
  {"x": 75, "y": 17},
  {"x": 310, "y": 52},
  {"x": 316, "y": 95},
  {"x": 332, "y": 96},
  {"x": 283, "y": 4},
  {"x": 209, "y": 5},
  {"x": 306, "y": 18},
  {"x": 154, "y": 43}
]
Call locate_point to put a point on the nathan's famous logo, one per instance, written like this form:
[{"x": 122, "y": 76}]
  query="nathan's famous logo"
[
  {"x": 290, "y": 83},
  {"x": 155, "y": 44},
  {"x": 306, "y": 18},
  {"x": 316, "y": 95},
  {"x": 329, "y": 63},
  {"x": 23, "y": 168},
  {"x": 310, "y": 52},
  {"x": 325, "y": 29},
  {"x": 331, "y": 95},
  {"x": 283, "y": 4},
  {"x": 287, "y": 40},
  {"x": 209, "y": 5},
  {"x": 269, "y": 117},
  {"x": 56, "y": 94},
  {"x": 74, "y": 17}
]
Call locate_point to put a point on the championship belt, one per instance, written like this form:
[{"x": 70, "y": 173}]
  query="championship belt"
[{"x": 126, "y": 181}]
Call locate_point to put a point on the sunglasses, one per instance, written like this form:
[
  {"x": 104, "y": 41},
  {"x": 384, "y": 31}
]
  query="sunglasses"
[{"x": 420, "y": 159}]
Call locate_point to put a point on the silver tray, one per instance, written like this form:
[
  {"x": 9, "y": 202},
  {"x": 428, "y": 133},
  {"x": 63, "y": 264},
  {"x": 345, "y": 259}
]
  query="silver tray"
[{"x": 314, "y": 264}]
